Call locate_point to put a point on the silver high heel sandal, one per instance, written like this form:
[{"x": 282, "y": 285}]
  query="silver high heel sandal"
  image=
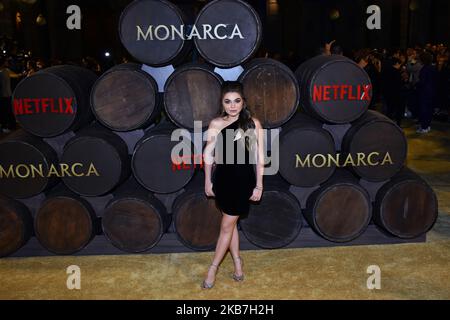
[
  {"x": 206, "y": 285},
  {"x": 235, "y": 276}
]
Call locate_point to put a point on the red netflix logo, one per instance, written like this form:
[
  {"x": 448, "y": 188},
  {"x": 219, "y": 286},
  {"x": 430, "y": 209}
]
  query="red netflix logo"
[
  {"x": 341, "y": 92},
  {"x": 30, "y": 106},
  {"x": 182, "y": 165}
]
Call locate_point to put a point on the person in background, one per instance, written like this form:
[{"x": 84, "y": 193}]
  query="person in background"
[
  {"x": 393, "y": 89},
  {"x": 40, "y": 64},
  {"x": 366, "y": 60},
  {"x": 30, "y": 68},
  {"x": 443, "y": 86},
  {"x": 332, "y": 48},
  {"x": 7, "y": 120},
  {"x": 374, "y": 72},
  {"x": 426, "y": 89},
  {"x": 362, "y": 58},
  {"x": 413, "y": 67}
]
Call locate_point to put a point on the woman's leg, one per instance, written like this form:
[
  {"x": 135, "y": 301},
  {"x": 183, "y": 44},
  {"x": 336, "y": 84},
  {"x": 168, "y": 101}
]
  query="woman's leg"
[
  {"x": 223, "y": 243},
  {"x": 234, "y": 249}
]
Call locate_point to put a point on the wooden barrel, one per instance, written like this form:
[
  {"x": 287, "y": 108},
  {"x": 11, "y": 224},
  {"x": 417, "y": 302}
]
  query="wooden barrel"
[
  {"x": 196, "y": 217},
  {"x": 380, "y": 145},
  {"x": 28, "y": 166},
  {"x": 334, "y": 89},
  {"x": 16, "y": 226},
  {"x": 65, "y": 223},
  {"x": 406, "y": 206},
  {"x": 192, "y": 93},
  {"x": 54, "y": 101},
  {"x": 304, "y": 150},
  {"x": 126, "y": 98},
  {"x": 154, "y": 32},
  {"x": 134, "y": 220},
  {"x": 230, "y": 32},
  {"x": 340, "y": 210},
  {"x": 276, "y": 220},
  {"x": 153, "y": 165},
  {"x": 97, "y": 161},
  {"x": 271, "y": 91}
]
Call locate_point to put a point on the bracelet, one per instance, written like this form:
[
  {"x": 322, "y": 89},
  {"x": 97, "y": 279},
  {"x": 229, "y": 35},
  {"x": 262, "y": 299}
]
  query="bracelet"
[{"x": 259, "y": 188}]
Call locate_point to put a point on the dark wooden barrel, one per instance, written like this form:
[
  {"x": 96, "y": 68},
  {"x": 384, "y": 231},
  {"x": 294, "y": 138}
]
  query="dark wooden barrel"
[
  {"x": 153, "y": 165},
  {"x": 151, "y": 32},
  {"x": 196, "y": 217},
  {"x": 192, "y": 93},
  {"x": 235, "y": 35},
  {"x": 97, "y": 161},
  {"x": 276, "y": 220},
  {"x": 54, "y": 101},
  {"x": 406, "y": 206},
  {"x": 126, "y": 98},
  {"x": 382, "y": 143},
  {"x": 134, "y": 220},
  {"x": 271, "y": 90},
  {"x": 340, "y": 210},
  {"x": 334, "y": 88},
  {"x": 304, "y": 150},
  {"x": 65, "y": 223},
  {"x": 16, "y": 226},
  {"x": 28, "y": 166}
]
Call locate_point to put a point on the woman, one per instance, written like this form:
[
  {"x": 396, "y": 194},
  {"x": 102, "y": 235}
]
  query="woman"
[{"x": 233, "y": 184}]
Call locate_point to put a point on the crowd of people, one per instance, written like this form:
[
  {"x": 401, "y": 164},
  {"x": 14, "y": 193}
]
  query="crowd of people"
[{"x": 413, "y": 83}]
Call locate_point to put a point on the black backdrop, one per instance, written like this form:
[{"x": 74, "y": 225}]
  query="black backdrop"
[{"x": 300, "y": 26}]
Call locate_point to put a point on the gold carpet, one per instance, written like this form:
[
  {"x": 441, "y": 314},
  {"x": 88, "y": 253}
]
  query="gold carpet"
[
  {"x": 408, "y": 271},
  {"x": 419, "y": 271}
]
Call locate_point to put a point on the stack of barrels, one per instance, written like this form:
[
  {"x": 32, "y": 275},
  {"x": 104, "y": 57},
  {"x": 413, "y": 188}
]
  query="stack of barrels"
[
  {"x": 344, "y": 164},
  {"x": 72, "y": 151},
  {"x": 95, "y": 155},
  {"x": 117, "y": 156}
]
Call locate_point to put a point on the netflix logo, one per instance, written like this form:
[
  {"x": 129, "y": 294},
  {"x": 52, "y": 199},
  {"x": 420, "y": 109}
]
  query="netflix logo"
[
  {"x": 341, "y": 92},
  {"x": 188, "y": 162},
  {"x": 29, "y": 106}
]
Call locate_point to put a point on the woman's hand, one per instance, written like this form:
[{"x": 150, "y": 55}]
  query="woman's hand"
[
  {"x": 256, "y": 196},
  {"x": 209, "y": 189}
]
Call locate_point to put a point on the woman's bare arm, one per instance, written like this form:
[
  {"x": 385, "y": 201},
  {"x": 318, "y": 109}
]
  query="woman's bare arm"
[
  {"x": 260, "y": 153},
  {"x": 208, "y": 156},
  {"x": 14, "y": 75}
]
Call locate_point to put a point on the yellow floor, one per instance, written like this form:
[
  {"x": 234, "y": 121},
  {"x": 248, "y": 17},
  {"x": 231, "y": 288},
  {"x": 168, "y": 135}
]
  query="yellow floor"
[
  {"x": 419, "y": 271},
  {"x": 408, "y": 271}
]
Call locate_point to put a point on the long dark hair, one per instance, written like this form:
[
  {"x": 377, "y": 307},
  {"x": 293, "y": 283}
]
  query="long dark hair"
[
  {"x": 245, "y": 117},
  {"x": 245, "y": 120}
]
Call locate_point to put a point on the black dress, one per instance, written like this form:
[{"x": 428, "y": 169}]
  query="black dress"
[{"x": 233, "y": 183}]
